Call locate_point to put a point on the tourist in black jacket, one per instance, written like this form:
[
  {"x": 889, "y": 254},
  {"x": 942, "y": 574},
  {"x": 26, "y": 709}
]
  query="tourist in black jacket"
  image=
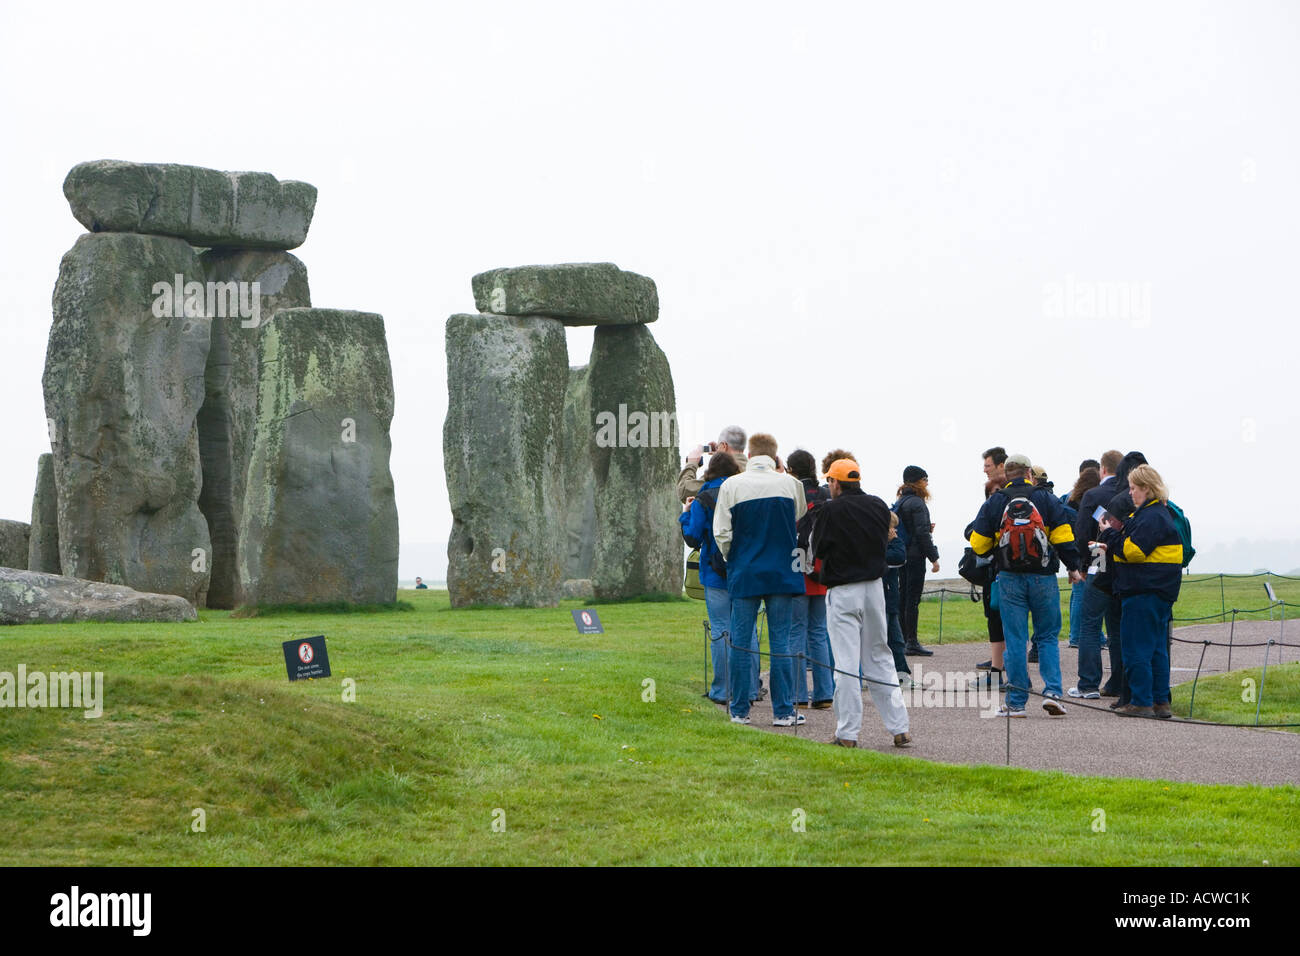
[{"x": 914, "y": 517}]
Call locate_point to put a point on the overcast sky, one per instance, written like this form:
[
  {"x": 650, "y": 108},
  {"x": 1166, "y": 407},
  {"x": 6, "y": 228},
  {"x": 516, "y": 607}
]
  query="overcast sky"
[{"x": 913, "y": 230}]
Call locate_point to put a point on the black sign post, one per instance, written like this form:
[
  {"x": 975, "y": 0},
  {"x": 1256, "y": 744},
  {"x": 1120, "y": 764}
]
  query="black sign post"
[
  {"x": 588, "y": 621},
  {"x": 306, "y": 657}
]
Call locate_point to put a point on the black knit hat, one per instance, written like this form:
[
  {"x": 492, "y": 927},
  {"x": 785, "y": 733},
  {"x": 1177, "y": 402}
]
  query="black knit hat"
[{"x": 913, "y": 473}]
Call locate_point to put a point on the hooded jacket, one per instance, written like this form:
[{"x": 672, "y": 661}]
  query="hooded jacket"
[{"x": 697, "y": 532}]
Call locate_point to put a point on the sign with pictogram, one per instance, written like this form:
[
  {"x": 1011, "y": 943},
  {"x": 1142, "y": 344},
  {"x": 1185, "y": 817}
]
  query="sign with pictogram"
[
  {"x": 306, "y": 657},
  {"x": 588, "y": 621}
]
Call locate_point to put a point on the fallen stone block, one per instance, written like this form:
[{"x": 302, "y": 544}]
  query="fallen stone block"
[{"x": 31, "y": 597}]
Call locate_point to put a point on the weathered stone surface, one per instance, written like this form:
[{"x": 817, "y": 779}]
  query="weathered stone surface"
[
  {"x": 577, "y": 589},
  {"x": 123, "y": 388},
  {"x": 579, "y": 486},
  {"x": 206, "y": 207},
  {"x": 229, "y": 410},
  {"x": 576, "y": 293},
  {"x": 506, "y": 380},
  {"x": 43, "y": 549},
  {"x": 638, "y": 541},
  {"x": 14, "y": 544},
  {"x": 32, "y": 597},
  {"x": 319, "y": 523}
]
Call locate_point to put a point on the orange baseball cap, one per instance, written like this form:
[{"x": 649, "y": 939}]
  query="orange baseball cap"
[{"x": 844, "y": 469}]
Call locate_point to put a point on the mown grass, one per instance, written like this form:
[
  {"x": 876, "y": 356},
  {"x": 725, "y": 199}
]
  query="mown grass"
[
  {"x": 1244, "y": 696},
  {"x": 463, "y": 719}
]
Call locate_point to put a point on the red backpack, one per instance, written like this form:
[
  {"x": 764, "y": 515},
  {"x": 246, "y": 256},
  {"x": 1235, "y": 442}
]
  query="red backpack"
[{"x": 1023, "y": 544}]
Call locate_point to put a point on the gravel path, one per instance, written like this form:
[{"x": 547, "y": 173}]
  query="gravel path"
[{"x": 1085, "y": 741}]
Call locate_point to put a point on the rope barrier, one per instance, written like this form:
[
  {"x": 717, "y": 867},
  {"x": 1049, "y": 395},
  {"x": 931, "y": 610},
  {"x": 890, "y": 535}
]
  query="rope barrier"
[{"x": 1033, "y": 693}]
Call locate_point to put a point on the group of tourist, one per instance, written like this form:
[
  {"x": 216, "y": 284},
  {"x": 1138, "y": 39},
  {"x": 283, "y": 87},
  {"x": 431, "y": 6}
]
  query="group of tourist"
[
  {"x": 840, "y": 574},
  {"x": 1128, "y": 580}
]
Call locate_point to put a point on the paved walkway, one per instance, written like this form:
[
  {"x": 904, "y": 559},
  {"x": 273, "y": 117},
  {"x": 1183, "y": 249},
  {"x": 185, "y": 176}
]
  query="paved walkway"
[{"x": 1085, "y": 741}]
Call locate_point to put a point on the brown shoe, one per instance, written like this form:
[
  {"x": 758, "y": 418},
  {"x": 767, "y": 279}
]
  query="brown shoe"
[
  {"x": 844, "y": 743},
  {"x": 1133, "y": 710},
  {"x": 902, "y": 740},
  {"x": 1163, "y": 711},
  {"x": 802, "y": 705},
  {"x": 822, "y": 704}
]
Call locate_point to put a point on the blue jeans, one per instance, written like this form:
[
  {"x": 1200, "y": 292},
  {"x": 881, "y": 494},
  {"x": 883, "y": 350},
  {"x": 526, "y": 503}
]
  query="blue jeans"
[
  {"x": 808, "y": 636},
  {"x": 744, "y": 613},
  {"x": 1095, "y": 607},
  {"x": 1144, "y": 632},
  {"x": 1076, "y": 602},
  {"x": 717, "y": 602},
  {"x": 893, "y": 621},
  {"x": 1020, "y": 596}
]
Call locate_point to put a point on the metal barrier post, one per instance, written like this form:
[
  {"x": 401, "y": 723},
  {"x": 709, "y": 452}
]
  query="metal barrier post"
[
  {"x": 1262, "y": 677},
  {"x": 943, "y": 592},
  {"x": 708, "y": 640}
]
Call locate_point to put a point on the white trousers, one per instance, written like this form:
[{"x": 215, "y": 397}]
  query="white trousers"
[{"x": 855, "y": 619}]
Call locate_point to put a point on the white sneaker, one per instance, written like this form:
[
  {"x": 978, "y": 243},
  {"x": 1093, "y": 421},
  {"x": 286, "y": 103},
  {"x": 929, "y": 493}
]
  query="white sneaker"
[
  {"x": 791, "y": 721},
  {"x": 1054, "y": 707},
  {"x": 1088, "y": 695},
  {"x": 1005, "y": 711},
  {"x": 739, "y": 720}
]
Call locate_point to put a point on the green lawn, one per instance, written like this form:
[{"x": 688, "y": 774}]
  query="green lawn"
[
  {"x": 466, "y": 718},
  {"x": 1234, "y": 698}
]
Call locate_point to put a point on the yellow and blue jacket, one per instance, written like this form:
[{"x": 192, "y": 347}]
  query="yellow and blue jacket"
[
  {"x": 1150, "y": 558},
  {"x": 984, "y": 529}
]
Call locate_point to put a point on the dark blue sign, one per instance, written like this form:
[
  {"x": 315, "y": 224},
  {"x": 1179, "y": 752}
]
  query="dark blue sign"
[
  {"x": 588, "y": 621},
  {"x": 306, "y": 657}
]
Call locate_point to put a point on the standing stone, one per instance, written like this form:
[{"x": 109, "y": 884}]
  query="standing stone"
[
  {"x": 205, "y": 207},
  {"x": 229, "y": 410},
  {"x": 634, "y": 454},
  {"x": 319, "y": 523},
  {"x": 506, "y": 382},
  {"x": 43, "y": 550},
  {"x": 577, "y": 293},
  {"x": 579, "y": 478},
  {"x": 14, "y": 544},
  {"x": 123, "y": 385}
]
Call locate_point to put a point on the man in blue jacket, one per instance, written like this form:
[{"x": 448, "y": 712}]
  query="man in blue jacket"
[
  {"x": 754, "y": 527},
  {"x": 1028, "y": 528}
]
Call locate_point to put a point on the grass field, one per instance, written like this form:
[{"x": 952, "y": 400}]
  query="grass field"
[
  {"x": 1244, "y": 696},
  {"x": 468, "y": 720}
]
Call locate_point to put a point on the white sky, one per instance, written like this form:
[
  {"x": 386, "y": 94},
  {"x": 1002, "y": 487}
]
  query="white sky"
[{"x": 855, "y": 214}]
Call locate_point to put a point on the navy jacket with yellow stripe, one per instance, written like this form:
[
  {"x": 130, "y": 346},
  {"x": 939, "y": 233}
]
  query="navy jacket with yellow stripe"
[
  {"x": 1150, "y": 560},
  {"x": 985, "y": 527}
]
